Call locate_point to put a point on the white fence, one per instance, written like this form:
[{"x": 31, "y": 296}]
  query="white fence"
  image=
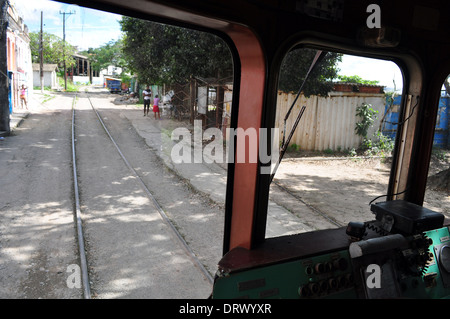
[{"x": 328, "y": 123}]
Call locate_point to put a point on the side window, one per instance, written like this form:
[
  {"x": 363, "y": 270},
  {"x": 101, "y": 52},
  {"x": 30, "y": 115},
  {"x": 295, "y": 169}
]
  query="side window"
[
  {"x": 339, "y": 157},
  {"x": 437, "y": 195}
]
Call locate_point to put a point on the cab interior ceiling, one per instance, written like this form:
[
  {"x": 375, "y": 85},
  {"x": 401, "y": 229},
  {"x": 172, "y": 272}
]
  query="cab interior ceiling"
[{"x": 423, "y": 18}]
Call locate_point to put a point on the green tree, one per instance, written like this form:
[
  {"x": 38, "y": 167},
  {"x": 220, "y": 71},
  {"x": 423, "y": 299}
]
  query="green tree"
[
  {"x": 295, "y": 66},
  {"x": 54, "y": 49},
  {"x": 356, "y": 79},
  {"x": 160, "y": 53},
  {"x": 106, "y": 55}
]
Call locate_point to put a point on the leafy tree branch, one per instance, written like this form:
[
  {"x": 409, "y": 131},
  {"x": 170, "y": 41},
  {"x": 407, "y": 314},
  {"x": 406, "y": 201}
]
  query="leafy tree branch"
[{"x": 55, "y": 51}]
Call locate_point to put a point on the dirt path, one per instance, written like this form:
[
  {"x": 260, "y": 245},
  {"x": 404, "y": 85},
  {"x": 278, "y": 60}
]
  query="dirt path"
[
  {"x": 343, "y": 189},
  {"x": 37, "y": 237},
  {"x": 327, "y": 193}
]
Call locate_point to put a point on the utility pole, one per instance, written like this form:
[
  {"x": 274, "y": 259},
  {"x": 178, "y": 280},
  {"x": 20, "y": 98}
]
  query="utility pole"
[
  {"x": 41, "y": 54},
  {"x": 64, "y": 45},
  {"x": 4, "y": 80}
]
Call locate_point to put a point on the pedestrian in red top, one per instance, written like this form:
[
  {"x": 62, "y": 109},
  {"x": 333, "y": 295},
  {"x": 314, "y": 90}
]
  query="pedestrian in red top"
[{"x": 156, "y": 107}]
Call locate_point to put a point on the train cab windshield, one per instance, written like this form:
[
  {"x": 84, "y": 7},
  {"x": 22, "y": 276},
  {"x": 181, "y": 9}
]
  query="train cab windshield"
[
  {"x": 336, "y": 137},
  {"x": 322, "y": 133}
]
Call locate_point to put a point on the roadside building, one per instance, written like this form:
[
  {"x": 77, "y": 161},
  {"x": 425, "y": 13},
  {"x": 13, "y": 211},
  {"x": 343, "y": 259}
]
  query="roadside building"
[
  {"x": 81, "y": 72},
  {"x": 18, "y": 59},
  {"x": 49, "y": 77},
  {"x": 111, "y": 72}
]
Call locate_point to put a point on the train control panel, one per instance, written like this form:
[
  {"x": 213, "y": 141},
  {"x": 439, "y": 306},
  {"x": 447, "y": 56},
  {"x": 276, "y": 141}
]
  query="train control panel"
[{"x": 403, "y": 253}]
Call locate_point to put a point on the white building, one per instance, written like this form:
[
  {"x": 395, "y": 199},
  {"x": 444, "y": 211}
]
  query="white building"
[{"x": 49, "y": 77}]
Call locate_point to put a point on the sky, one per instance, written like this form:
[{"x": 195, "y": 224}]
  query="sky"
[
  {"x": 386, "y": 72},
  {"x": 88, "y": 28}
]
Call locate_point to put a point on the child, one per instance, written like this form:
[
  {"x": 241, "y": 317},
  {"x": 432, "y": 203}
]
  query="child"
[
  {"x": 156, "y": 107},
  {"x": 23, "y": 97}
]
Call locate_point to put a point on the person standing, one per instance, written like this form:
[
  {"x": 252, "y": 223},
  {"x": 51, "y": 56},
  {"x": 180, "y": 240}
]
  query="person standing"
[
  {"x": 23, "y": 96},
  {"x": 147, "y": 93},
  {"x": 156, "y": 107}
]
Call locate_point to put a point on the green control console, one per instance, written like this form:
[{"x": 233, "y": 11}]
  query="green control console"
[{"x": 332, "y": 264}]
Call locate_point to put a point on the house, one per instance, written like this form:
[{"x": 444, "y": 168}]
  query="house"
[
  {"x": 18, "y": 55},
  {"x": 50, "y": 79},
  {"x": 110, "y": 72},
  {"x": 81, "y": 72}
]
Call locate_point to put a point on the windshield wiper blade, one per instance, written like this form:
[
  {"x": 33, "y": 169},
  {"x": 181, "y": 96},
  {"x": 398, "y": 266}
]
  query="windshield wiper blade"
[{"x": 317, "y": 59}]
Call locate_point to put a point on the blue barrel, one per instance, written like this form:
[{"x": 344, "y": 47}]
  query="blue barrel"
[
  {"x": 441, "y": 136},
  {"x": 389, "y": 127}
]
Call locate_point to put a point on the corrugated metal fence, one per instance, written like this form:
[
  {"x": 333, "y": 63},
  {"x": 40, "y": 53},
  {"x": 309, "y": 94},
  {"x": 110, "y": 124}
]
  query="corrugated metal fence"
[{"x": 328, "y": 122}]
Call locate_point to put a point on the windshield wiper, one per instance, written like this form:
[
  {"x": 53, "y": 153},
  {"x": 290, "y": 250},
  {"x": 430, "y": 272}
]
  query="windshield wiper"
[{"x": 318, "y": 57}]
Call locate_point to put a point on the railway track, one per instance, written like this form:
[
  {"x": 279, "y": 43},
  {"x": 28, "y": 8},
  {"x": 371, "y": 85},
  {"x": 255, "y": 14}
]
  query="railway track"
[
  {"x": 142, "y": 230},
  {"x": 84, "y": 115},
  {"x": 78, "y": 219},
  {"x": 95, "y": 237},
  {"x": 317, "y": 212}
]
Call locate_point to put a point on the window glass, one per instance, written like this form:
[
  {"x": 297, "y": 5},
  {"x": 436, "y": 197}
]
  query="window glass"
[
  {"x": 437, "y": 196},
  {"x": 339, "y": 157}
]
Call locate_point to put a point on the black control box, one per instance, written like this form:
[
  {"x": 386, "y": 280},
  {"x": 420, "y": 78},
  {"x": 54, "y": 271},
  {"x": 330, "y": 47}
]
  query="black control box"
[{"x": 406, "y": 218}]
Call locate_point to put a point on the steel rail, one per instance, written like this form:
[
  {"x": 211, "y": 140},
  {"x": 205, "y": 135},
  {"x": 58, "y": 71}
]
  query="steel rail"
[
  {"x": 314, "y": 209},
  {"x": 164, "y": 216},
  {"x": 81, "y": 247}
]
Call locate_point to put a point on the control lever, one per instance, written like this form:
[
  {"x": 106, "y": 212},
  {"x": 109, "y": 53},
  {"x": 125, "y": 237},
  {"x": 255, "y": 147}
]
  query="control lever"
[{"x": 356, "y": 230}]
